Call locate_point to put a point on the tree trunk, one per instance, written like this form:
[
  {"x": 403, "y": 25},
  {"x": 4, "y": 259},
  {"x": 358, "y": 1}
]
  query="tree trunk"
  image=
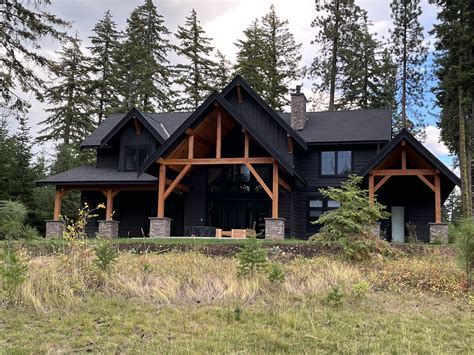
[
  {"x": 335, "y": 44},
  {"x": 463, "y": 158},
  {"x": 404, "y": 75}
]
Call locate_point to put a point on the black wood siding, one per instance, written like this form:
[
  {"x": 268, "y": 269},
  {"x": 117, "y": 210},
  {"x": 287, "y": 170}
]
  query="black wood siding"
[
  {"x": 108, "y": 158},
  {"x": 129, "y": 137},
  {"x": 195, "y": 203}
]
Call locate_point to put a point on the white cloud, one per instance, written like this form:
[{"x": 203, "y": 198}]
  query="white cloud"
[{"x": 434, "y": 143}]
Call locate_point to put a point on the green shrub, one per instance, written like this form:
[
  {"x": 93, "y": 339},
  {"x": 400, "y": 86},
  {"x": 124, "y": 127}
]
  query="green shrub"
[
  {"x": 335, "y": 297},
  {"x": 252, "y": 258},
  {"x": 106, "y": 255},
  {"x": 12, "y": 272},
  {"x": 463, "y": 234},
  {"x": 276, "y": 274},
  {"x": 360, "y": 289},
  {"x": 12, "y": 221}
]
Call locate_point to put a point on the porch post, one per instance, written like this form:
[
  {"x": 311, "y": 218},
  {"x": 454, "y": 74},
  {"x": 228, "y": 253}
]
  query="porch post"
[
  {"x": 110, "y": 205},
  {"x": 161, "y": 226},
  {"x": 161, "y": 191},
  {"x": 57, "y": 203},
  {"x": 371, "y": 188},
  {"x": 438, "y": 230},
  {"x": 55, "y": 227},
  {"x": 275, "y": 227},
  {"x": 275, "y": 191},
  {"x": 437, "y": 198},
  {"x": 109, "y": 228}
]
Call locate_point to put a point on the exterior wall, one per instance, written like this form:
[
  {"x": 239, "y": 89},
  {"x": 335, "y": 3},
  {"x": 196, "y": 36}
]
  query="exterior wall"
[
  {"x": 195, "y": 202},
  {"x": 108, "y": 158},
  {"x": 129, "y": 137}
]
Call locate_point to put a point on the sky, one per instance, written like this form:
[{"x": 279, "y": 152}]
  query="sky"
[{"x": 224, "y": 21}]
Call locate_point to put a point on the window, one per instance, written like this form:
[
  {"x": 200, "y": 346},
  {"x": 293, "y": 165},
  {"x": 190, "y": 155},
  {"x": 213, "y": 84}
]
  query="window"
[
  {"x": 135, "y": 156},
  {"x": 336, "y": 162},
  {"x": 317, "y": 206}
]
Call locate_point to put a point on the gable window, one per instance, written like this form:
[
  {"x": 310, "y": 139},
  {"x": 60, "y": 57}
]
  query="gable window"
[
  {"x": 135, "y": 156},
  {"x": 317, "y": 206},
  {"x": 335, "y": 163}
]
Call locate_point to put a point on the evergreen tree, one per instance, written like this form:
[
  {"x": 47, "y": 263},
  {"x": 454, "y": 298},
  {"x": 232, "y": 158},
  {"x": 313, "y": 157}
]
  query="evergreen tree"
[
  {"x": 338, "y": 26},
  {"x": 251, "y": 57},
  {"x": 223, "y": 71},
  {"x": 454, "y": 90},
  {"x": 69, "y": 97},
  {"x": 197, "y": 74},
  {"x": 141, "y": 73},
  {"x": 7, "y": 159},
  {"x": 23, "y": 25},
  {"x": 282, "y": 58},
  {"x": 410, "y": 53},
  {"x": 105, "y": 42}
]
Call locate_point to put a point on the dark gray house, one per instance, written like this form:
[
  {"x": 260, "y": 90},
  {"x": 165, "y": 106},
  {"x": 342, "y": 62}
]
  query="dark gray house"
[{"x": 235, "y": 163}]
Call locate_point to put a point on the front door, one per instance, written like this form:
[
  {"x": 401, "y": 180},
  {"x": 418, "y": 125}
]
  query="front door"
[{"x": 398, "y": 224}]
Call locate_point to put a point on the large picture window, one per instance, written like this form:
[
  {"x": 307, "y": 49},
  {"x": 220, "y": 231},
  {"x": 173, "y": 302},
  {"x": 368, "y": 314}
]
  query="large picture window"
[
  {"x": 335, "y": 163},
  {"x": 135, "y": 156}
]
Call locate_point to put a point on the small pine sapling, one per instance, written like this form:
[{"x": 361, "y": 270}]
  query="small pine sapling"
[
  {"x": 106, "y": 255},
  {"x": 252, "y": 258}
]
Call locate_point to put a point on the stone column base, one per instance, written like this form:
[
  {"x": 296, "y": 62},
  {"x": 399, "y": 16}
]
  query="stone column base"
[
  {"x": 438, "y": 233},
  {"x": 108, "y": 229},
  {"x": 160, "y": 227},
  {"x": 374, "y": 230},
  {"x": 54, "y": 229},
  {"x": 275, "y": 228}
]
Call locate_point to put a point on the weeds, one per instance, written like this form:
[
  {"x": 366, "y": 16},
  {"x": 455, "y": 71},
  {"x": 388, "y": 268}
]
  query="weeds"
[
  {"x": 12, "y": 272},
  {"x": 106, "y": 255}
]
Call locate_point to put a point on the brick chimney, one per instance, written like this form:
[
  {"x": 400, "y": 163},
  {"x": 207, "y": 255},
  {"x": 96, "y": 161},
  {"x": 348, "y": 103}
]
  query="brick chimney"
[{"x": 298, "y": 109}]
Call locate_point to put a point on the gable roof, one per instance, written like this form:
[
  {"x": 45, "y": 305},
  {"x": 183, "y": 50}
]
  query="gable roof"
[
  {"x": 278, "y": 119},
  {"x": 419, "y": 147},
  {"x": 206, "y": 107},
  {"x": 367, "y": 125}
]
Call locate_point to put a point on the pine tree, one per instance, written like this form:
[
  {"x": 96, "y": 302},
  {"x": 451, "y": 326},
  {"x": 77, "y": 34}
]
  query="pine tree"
[
  {"x": 223, "y": 71},
  {"x": 195, "y": 76},
  {"x": 69, "y": 97},
  {"x": 141, "y": 73},
  {"x": 338, "y": 22},
  {"x": 282, "y": 56},
  {"x": 23, "y": 26},
  {"x": 251, "y": 57},
  {"x": 410, "y": 53},
  {"x": 454, "y": 91},
  {"x": 104, "y": 43}
]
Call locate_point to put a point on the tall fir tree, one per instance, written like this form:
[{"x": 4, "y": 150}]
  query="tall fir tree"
[
  {"x": 23, "y": 26},
  {"x": 338, "y": 25},
  {"x": 196, "y": 74},
  {"x": 69, "y": 98},
  {"x": 410, "y": 54},
  {"x": 142, "y": 76},
  {"x": 251, "y": 57},
  {"x": 454, "y": 68},
  {"x": 104, "y": 42},
  {"x": 223, "y": 71}
]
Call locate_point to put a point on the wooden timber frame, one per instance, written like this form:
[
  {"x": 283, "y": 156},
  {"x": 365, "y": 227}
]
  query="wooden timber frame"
[
  {"x": 422, "y": 174},
  {"x": 191, "y": 160}
]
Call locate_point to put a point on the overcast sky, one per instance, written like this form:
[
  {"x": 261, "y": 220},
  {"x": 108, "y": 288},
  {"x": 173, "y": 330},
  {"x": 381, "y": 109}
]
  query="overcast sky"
[{"x": 224, "y": 21}]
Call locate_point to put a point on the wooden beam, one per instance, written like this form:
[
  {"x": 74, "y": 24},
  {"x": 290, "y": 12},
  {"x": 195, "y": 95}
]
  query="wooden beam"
[
  {"x": 427, "y": 182},
  {"x": 182, "y": 187},
  {"x": 400, "y": 172},
  {"x": 199, "y": 138},
  {"x": 285, "y": 185},
  {"x": 259, "y": 179},
  {"x": 190, "y": 147},
  {"x": 275, "y": 191},
  {"x": 437, "y": 199},
  {"x": 57, "y": 203},
  {"x": 404, "y": 159},
  {"x": 290, "y": 145},
  {"x": 371, "y": 189},
  {"x": 176, "y": 181},
  {"x": 381, "y": 182},
  {"x": 137, "y": 125},
  {"x": 110, "y": 205},
  {"x": 246, "y": 144},
  {"x": 219, "y": 134},
  {"x": 216, "y": 161},
  {"x": 161, "y": 191},
  {"x": 239, "y": 94}
]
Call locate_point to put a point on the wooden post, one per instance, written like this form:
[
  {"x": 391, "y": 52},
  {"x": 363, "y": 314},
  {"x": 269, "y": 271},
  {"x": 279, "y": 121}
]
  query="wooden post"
[
  {"x": 437, "y": 198},
  {"x": 246, "y": 144},
  {"x": 110, "y": 205},
  {"x": 219, "y": 134},
  {"x": 161, "y": 191},
  {"x": 404, "y": 159},
  {"x": 190, "y": 147},
  {"x": 57, "y": 203},
  {"x": 371, "y": 189},
  {"x": 275, "y": 191},
  {"x": 239, "y": 94}
]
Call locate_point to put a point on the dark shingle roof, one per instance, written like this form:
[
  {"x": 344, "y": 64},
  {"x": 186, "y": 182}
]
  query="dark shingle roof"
[
  {"x": 84, "y": 175},
  {"x": 346, "y": 126},
  {"x": 321, "y": 127}
]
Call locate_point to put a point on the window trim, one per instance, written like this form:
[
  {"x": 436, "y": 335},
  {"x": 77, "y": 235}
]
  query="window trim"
[
  {"x": 336, "y": 161},
  {"x": 136, "y": 147}
]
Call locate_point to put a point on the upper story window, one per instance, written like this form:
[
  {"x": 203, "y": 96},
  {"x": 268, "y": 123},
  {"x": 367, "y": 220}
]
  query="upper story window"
[
  {"x": 135, "y": 155},
  {"x": 336, "y": 162}
]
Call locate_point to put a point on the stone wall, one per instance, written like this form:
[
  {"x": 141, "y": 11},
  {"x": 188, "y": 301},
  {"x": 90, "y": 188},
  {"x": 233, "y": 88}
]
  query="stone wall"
[{"x": 274, "y": 228}]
